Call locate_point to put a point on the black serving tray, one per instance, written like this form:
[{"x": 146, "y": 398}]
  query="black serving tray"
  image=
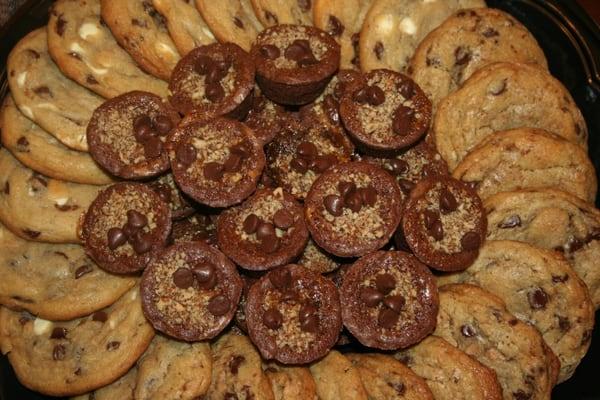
[{"x": 571, "y": 41}]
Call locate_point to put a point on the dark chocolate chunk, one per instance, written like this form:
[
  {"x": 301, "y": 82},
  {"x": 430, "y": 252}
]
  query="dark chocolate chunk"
[
  {"x": 58, "y": 333},
  {"x": 336, "y": 28},
  {"x": 283, "y": 219},
  {"x": 395, "y": 303},
  {"x": 99, "y": 316},
  {"x": 183, "y": 278},
  {"x": 219, "y": 305},
  {"x": 59, "y": 352},
  {"x": 385, "y": 283},
  {"x": 387, "y": 318},
  {"x": 334, "y": 205},
  {"x": 448, "y": 202},
  {"x": 251, "y": 224},
  {"x": 186, "y": 154},
  {"x": 269, "y": 51},
  {"x": 468, "y": 331},
  {"x": 213, "y": 171},
  {"x": 272, "y": 319},
  {"x": 371, "y": 297},
  {"x": 470, "y": 241},
  {"x": 116, "y": 238},
  {"x": 538, "y": 298}
]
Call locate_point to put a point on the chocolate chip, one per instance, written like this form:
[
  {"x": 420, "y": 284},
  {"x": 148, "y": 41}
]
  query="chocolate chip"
[
  {"x": 407, "y": 89},
  {"x": 61, "y": 23},
  {"x": 31, "y": 233},
  {"x": 183, "y": 278},
  {"x": 272, "y": 18},
  {"x": 251, "y": 224},
  {"x": 361, "y": 95},
  {"x": 233, "y": 163},
  {"x": 272, "y": 319},
  {"x": 345, "y": 188},
  {"x": 185, "y": 154},
  {"x": 353, "y": 201},
  {"x": 136, "y": 219},
  {"x": 511, "y": 222},
  {"x": 205, "y": 274},
  {"x": 42, "y": 91},
  {"x": 307, "y": 150},
  {"x": 283, "y": 219},
  {"x": 163, "y": 125},
  {"x": 448, "y": 202},
  {"x": 430, "y": 218},
  {"x": 321, "y": 163},
  {"x": 299, "y": 165},
  {"x": 114, "y": 345},
  {"x": 334, "y": 205},
  {"x": 538, "y": 298},
  {"x": 219, "y": 305},
  {"x": 214, "y": 92},
  {"x": 142, "y": 128},
  {"x": 398, "y": 387},
  {"x": 368, "y": 195},
  {"x": 385, "y": 283},
  {"x": 238, "y": 22},
  {"x": 234, "y": 364},
  {"x": 462, "y": 55},
  {"x": 281, "y": 278},
  {"x": 264, "y": 230},
  {"x": 336, "y": 28},
  {"x": 395, "y": 303},
  {"x": 116, "y": 238},
  {"x": 521, "y": 395},
  {"x": 470, "y": 241},
  {"x": 99, "y": 316},
  {"x": 437, "y": 230},
  {"x": 406, "y": 186},
  {"x": 309, "y": 318},
  {"x": 6, "y": 189},
  {"x": 467, "y": 331},
  {"x": 59, "y": 352},
  {"x": 213, "y": 171},
  {"x": 331, "y": 108},
  {"x": 402, "y": 120},
  {"x": 81, "y": 271},
  {"x": 163, "y": 191},
  {"x": 490, "y": 32},
  {"x": 304, "y": 5},
  {"x": 387, "y": 318},
  {"x": 270, "y": 244},
  {"x": 269, "y": 51},
  {"x": 560, "y": 279},
  {"x": 375, "y": 95},
  {"x": 378, "y": 50},
  {"x": 141, "y": 244},
  {"x": 242, "y": 149},
  {"x": 153, "y": 148},
  {"x": 398, "y": 166},
  {"x": 563, "y": 323},
  {"x": 58, "y": 333},
  {"x": 371, "y": 297},
  {"x": 299, "y": 49}
]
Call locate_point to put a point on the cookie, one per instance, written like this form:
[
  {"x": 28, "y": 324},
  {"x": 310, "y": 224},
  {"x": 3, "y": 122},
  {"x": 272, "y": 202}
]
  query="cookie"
[
  {"x": 392, "y": 29},
  {"x": 540, "y": 288},
  {"x": 528, "y": 158},
  {"x": 121, "y": 389},
  {"x": 190, "y": 291},
  {"x": 216, "y": 162},
  {"x": 45, "y": 96},
  {"x": 337, "y": 378},
  {"x": 185, "y": 24},
  {"x": 85, "y": 51},
  {"x": 353, "y": 208},
  {"x": 386, "y": 378},
  {"x": 237, "y": 370},
  {"x": 75, "y": 357},
  {"x": 293, "y": 315},
  {"x": 550, "y": 219},
  {"x": 172, "y": 369},
  {"x": 266, "y": 231},
  {"x": 127, "y": 135},
  {"x": 231, "y": 21},
  {"x": 54, "y": 281},
  {"x": 40, "y": 151},
  {"x": 38, "y": 208},
  {"x": 142, "y": 32},
  {"x": 343, "y": 20},
  {"x": 478, "y": 323},
  {"x": 276, "y": 12},
  {"x": 265, "y": 117},
  {"x": 444, "y": 223},
  {"x": 291, "y": 383},
  {"x": 125, "y": 226},
  {"x": 450, "y": 373},
  {"x": 503, "y": 96},
  {"x": 389, "y": 300},
  {"x": 467, "y": 41}
]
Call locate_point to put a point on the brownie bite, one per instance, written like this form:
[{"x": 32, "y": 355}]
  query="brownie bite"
[
  {"x": 240, "y": 313},
  {"x": 294, "y": 63},
  {"x": 168, "y": 190},
  {"x": 125, "y": 226},
  {"x": 353, "y": 208},
  {"x": 216, "y": 162},
  {"x": 389, "y": 300},
  {"x": 318, "y": 260},
  {"x": 303, "y": 151},
  {"x": 197, "y": 227},
  {"x": 213, "y": 80},
  {"x": 190, "y": 291},
  {"x": 387, "y": 113},
  {"x": 293, "y": 315},
  {"x": 266, "y": 231},
  {"x": 265, "y": 118},
  {"x": 444, "y": 223},
  {"x": 127, "y": 135}
]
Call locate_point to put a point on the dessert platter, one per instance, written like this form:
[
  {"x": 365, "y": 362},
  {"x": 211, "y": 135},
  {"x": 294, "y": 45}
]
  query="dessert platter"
[{"x": 296, "y": 199}]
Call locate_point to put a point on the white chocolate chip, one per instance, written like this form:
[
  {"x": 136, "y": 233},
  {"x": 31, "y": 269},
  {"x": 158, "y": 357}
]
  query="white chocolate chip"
[
  {"x": 166, "y": 48},
  {"x": 41, "y": 326},
  {"x": 134, "y": 295},
  {"x": 97, "y": 71},
  {"x": 408, "y": 26},
  {"x": 112, "y": 324},
  {"x": 61, "y": 201},
  {"x": 385, "y": 24},
  {"x": 47, "y": 106},
  {"x": 21, "y": 78},
  {"x": 27, "y": 111},
  {"x": 88, "y": 29},
  {"x": 76, "y": 48},
  {"x": 208, "y": 33}
]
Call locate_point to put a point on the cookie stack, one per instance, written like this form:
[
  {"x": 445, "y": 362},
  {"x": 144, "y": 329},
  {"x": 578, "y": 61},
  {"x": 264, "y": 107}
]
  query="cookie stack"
[{"x": 256, "y": 199}]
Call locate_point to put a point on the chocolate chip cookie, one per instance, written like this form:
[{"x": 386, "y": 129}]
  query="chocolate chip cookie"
[
  {"x": 38, "y": 208},
  {"x": 40, "y": 151},
  {"x": 142, "y": 32},
  {"x": 74, "y": 357},
  {"x": 276, "y": 12},
  {"x": 478, "y": 323},
  {"x": 386, "y": 378},
  {"x": 392, "y": 29},
  {"x": 467, "y": 41},
  {"x": 337, "y": 378},
  {"x": 85, "y": 51},
  {"x": 291, "y": 383},
  {"x": 450, "y": 373},
  {"x": 54, "y": 281},
  {"x": 528, "y": 158},
  {"x": 504, "y": 96},
  {"x": 121, "y": 389},
  {"x": 44, "y": 95},
  {"x": 551, "y": 219}
]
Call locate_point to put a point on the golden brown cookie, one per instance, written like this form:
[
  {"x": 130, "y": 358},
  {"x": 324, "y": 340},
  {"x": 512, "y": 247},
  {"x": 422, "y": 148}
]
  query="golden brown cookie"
[
  {"x": 275, "y": 12},
  {"x": 121, "y": 389},
  {"x": 337, "y": 378},
  {"x": 291, "y": 383}
]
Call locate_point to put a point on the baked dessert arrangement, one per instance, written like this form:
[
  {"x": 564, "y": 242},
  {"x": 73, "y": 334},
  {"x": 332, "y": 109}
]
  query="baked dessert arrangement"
[{"x": 293, "y": 200}]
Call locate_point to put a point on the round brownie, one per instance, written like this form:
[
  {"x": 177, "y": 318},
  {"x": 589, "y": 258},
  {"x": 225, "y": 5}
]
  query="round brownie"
[
  {"x": 265, "y": 118},
  {"x": 127, "y": 134},
  {"x": 168, "y": 190},
  {"x": 293, "y": 315},
  {"x": 190, "y": 291},
  {"x": 125, "y": 226}
]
